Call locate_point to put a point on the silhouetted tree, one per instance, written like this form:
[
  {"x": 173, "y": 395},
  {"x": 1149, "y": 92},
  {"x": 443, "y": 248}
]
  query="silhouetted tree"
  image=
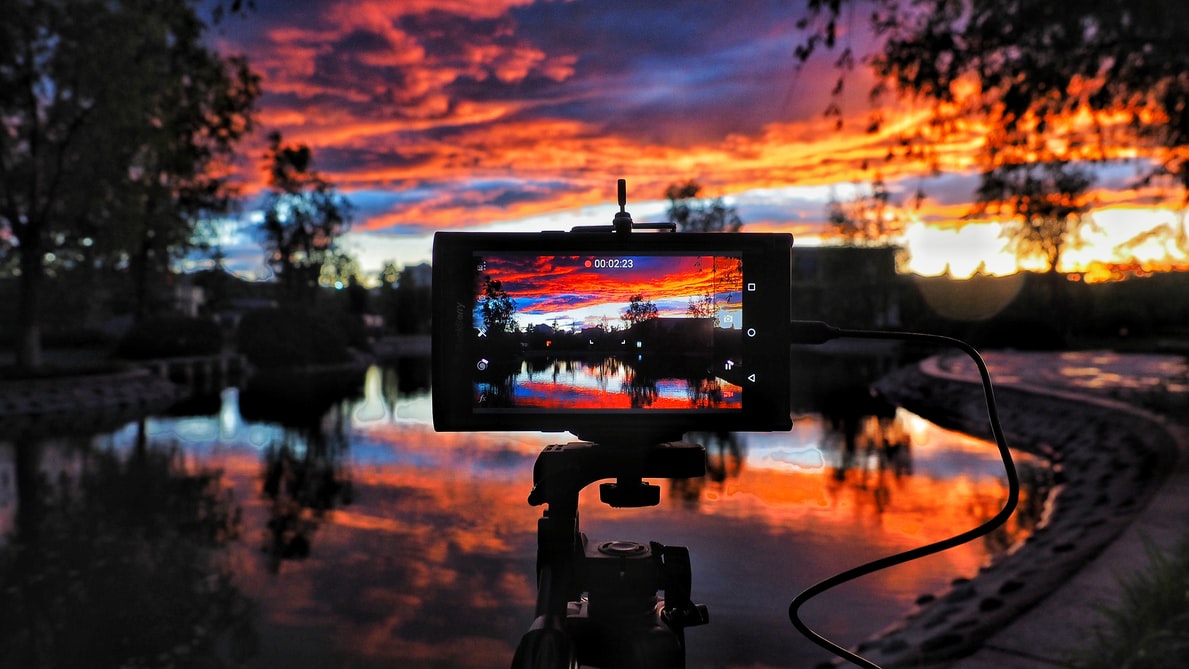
[
  {"x": 339, "y": 269},
  {"x": 694, "y": 214},
  {"x": 408, "y": 302},
  {"x": 1049, "y": 81},
  {"x": 117, "y": 115},
  {"x": 639, "y": 311},
  {"x": 303, "y": 217},
  {"x": 498, "y": 308},
  {"x": 871, "y": 218},
  {"x": 1046, "y": 207},
  {"x": 703, "y": 307}
]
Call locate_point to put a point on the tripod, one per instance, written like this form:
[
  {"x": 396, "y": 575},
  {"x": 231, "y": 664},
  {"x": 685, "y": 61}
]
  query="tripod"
[{"x": 597, "y": 603}]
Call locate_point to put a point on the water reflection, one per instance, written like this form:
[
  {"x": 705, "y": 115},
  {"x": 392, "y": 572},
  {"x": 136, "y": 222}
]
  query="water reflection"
[
  {"x": 305, "y": 477},
  {"x": 655, "y": 381},
  {"x": 870, "y": 452},
  {"x": 353, "y": 535},
  {"x": 116, "y": 560}
]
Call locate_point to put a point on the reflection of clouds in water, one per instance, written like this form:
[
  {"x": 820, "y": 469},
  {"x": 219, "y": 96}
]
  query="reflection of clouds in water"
[
  {"x": 372, "y": 407},
  {"x": 937, "y": 454},
  {"x": 417, "y": 411},
  {"x": 384, "y": 400},
  {"x": 434, "y": 557},
  {"x": 805, "y": 458},
  {"x": 1101, "y": 371}
]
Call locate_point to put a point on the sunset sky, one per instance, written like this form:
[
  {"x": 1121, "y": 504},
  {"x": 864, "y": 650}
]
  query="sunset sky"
[
  {"x": 576, "y": 293},
  {"x": 519, "y": 115}
]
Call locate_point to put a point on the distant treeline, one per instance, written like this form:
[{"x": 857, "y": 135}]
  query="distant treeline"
[
  {"x": 1025, "y": 311},
  {"x": 1049, "y": 312}
]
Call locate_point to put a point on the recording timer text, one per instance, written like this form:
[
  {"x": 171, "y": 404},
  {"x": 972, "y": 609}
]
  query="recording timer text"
[{"x": 610, "y": 263}]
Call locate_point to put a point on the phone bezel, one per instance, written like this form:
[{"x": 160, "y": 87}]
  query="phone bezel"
[{"x": 766, "y": 264}]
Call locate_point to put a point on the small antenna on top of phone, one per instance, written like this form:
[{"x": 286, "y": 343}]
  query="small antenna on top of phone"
[{"x": 622, "y": 223}]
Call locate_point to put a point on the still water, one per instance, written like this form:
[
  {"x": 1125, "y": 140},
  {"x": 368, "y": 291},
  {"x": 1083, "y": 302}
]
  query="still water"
[
  {"x": 350, "y": 534},
  {"x": 607, "y": 382}
]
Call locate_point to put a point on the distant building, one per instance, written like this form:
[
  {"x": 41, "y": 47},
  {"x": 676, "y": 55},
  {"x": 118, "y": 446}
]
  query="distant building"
[
  {"x": 188, "y": 297},
  {"x": 422, "y": 274},
  {"x": 848, "y": 286},
  {"x": 685, "y": 334},
  {"x": 234, "y": 310}
]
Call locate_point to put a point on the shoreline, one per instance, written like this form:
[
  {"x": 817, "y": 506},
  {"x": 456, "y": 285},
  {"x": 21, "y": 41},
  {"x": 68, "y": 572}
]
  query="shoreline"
[
  {"x": 1108, "y": 458},
  {"x": 82, "y": 403},
  {"x": 1111, "y": 461}
]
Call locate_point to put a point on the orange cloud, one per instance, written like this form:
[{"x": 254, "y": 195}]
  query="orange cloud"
[{"x": 461, "y": 115}]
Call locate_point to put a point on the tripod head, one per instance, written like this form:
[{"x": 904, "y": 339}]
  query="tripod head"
[
  {"x": 597, "y": 601},
  {"x": 562, "y": 471}
]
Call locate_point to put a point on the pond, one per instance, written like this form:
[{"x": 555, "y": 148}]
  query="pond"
[{"x": 342, "y": 531}]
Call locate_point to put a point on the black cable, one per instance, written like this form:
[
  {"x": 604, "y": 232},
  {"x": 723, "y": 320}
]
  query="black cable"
[{"x": 816, "y": 332}]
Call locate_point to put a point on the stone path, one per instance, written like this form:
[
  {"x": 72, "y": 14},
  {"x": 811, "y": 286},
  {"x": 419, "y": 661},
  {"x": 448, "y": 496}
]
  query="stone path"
[
  {"x": 81, "y": 404},
  {"x": 1119, "y": 481}
]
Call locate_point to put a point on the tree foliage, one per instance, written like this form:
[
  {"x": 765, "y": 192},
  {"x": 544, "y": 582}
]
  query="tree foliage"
[
  {"x": 340, "y": 269},
  {"x": 1041, "y": 86},
  {"x": 303, "y": 217},
  {"x": 703, "y": 307},
  {"x": 497, "y": 307},
  {"x": 870, "y": 218},
  {"x": 639, "y": 311},
  {"x": 1045, "y": 81},
  {"x": 694, "y": 214},
  {"x": 1046, "y": 203},
  {"x": 118, "y": 120},
  {"x": 407, "y": 301}
]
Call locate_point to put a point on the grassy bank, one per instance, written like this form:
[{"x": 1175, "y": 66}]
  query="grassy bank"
[{"x": 1149, "y": 626}]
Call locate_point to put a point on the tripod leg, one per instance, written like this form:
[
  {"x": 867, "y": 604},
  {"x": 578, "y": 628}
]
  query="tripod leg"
[
  {"x": 547, "y": 644},
  {"x": 545, "y": 648}
]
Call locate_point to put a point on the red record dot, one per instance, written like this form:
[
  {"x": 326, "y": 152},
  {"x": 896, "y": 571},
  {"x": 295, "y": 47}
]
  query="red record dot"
[{"x": 588, "y": 263}]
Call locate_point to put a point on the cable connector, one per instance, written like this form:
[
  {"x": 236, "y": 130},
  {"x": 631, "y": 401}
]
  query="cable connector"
[{"x": 812, "y": 332}]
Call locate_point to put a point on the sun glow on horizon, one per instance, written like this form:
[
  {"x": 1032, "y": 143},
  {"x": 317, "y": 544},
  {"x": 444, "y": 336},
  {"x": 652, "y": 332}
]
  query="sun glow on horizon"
[
  {"x": 959, "y": 252},
  {"x": 1122, "y": 238}
]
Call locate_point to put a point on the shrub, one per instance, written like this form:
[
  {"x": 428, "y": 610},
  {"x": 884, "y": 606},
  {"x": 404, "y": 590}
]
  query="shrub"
[
  {"x": 286, "y": 337},
  {"x": 172, "y": 336},
  {"x": 1123, "y": 319},
  {"x": 1149, "y": 626}
]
